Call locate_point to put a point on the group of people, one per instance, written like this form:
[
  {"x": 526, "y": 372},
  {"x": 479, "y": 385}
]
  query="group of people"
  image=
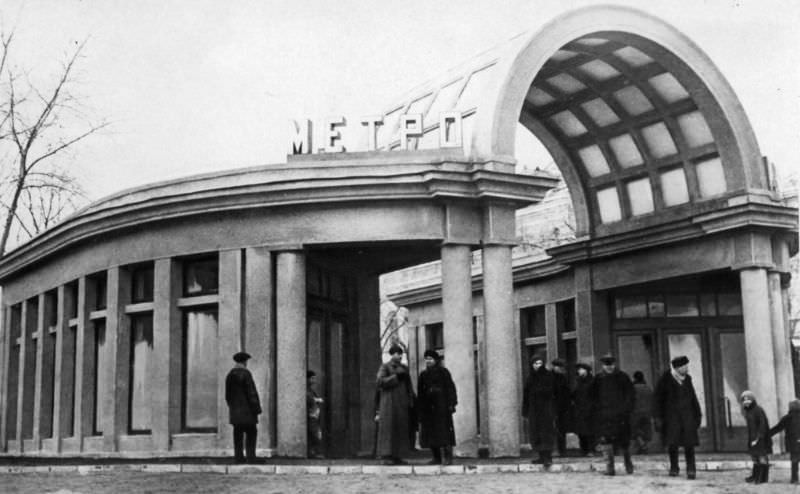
[{"x": 607, "y": 411}]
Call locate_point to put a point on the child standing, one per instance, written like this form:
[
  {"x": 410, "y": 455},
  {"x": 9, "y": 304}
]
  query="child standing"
[
  {"x": 790, "y": 424},
  {"x": 759, "y": 441}
]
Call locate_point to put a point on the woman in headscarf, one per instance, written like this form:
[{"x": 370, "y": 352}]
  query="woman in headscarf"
[
  {"x": 759, "y": 442},
  {"x": 436, "y": 404}
]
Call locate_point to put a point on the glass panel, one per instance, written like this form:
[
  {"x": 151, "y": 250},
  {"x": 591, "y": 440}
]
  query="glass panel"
[
  {"x": 566, "y": 316},
  {"x": 632, "y": 306},
  {"x": 200, "y": 369},
  {"x": 695, "y": 129},
  {"x": 539, "y": 97},
  {"x": 594, "y": 161},
  {"x": 599, "y": 70},
  {"x": 100, "y": 291},
  {"x": 566, "y": 83},
  {"x": 626, "y": 151},
  {"x": 710, "y": 177},
  {"x": 637, "y": 353},
  {"x": 592, "y": 41},
  {"x": 141, "y": 389},
  {"x": 600, "y": 112},
  {"x": 434, "y": 336},
  {"x": 532, "y": 321},
  {"x": 315, "y": 351},
  {"x": 668, "y": 87},
  {"x": 730, "y": 304},
  {"x": 659, "y": 141},
  {"x": 472, "y": 92},
  {"x": 680, "y": 305},
  {"x": 691, "y": 345},
  {"x": 608, "y": 201},
  {"x": 640, "y": 196},
  {"x": 655, "y": 306},
  {"x": 708, "y": 305},
  {"x": 444, "y": 101},
  {"x": 734, "y": 374},
  {"x": 142, "y": 284},
  {"x": 562, "y": 55},
  {"x": 568, "y": 123},
  {"x": 633, "y": 57},
  {"x": 200, "y": 277},
  {"x": 102, "y": 372},
  {"x": 633, "y": 100},
  {"x": 673, "y": 187}
]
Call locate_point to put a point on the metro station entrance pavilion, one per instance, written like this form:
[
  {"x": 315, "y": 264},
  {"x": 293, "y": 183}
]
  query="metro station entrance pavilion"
[{"x": 119, "y": 324}]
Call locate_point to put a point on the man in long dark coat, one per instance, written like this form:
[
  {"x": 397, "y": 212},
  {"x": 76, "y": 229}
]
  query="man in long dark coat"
[
  {"x": 395, "y": 399},
  {"x": 612, "y": 397},
  {"x": 436, "y": 403},
  {"x": 563, "y": 400},
  {"x": 677, "y": 415},
  {"x": 582, "y": 408},
  {"x": 243, "y": 407},
  {"x": 538, "y": 406}
]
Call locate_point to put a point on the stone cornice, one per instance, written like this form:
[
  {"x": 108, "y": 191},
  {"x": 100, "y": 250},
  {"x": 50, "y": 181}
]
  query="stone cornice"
[{"x": 300, "y": 183}]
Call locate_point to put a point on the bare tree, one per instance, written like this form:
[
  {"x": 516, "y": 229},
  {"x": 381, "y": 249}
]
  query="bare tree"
[{"x": 39, "y": 126}]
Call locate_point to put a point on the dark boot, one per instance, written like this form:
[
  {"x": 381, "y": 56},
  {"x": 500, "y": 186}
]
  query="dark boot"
[
  {"x": 794, "y": 472},
  {"x": 626, "y": 454},
  {"x": 691, "y": 469},
  {"x": 608, "y": 454},
  {"x": 448, "y": 455},
  {"x": 763, "y": 478},
  {"x": 674, "y": 470},
  {"x": 437, "y": 456},
  {"x": 754, "y": 473},
  {"x": 547, "y": 458}
]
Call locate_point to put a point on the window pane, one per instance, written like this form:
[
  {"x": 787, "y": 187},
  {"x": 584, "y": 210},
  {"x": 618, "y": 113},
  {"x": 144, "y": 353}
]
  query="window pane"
[
  {"x": 679, "y": 305},
  {"x": 608, "y": 201},
  {"x": 102, "y": 372},
  {"x": 708, "y": 306},
  {"x": 637, "y": 352},
  {"x": 730, "y": 304},
  {"x": 99, "y": 285},
  {"x": 532, "y": 321},
  {"x": 200, "y": 369},
  {"x": 434, "y": 336},
  {"x": 594, "y": 161},
  {"x": 640, "y": 196},
  {"x": 659, "y": 141},
  {"x": 142, "y": 285},
  {"x": 632, "y": 306},
  {"x": 200, "y": 277},
  {"x": 695, "y": 129},
  {"x": 140, "y": 386},
  {"x": 710, "y": 177},
  {"x": 655, "y": 306},
  {"x": 690, "y": 345},
  {"x": 673, "y": 187},
  {"x": 734, "y": 374},
  {"x": 626, "y": 151}
]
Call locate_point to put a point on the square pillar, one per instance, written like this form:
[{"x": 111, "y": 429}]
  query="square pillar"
[
  {"x": 5, "y": 354},
  {"x": 291, "y": 353},
  {"x": 166, "y": 364},
  {"x": 64, "y": 384},
  {"x": 229, "y": 334},
  {"x": 118, "y": 346},
  {"x": 369, "y": 357},
  {"x": 259, "y": 338},
  {"x": 85, "y": 360},
  {"x": 27, "y": 372},
  {"x": 781, "y": 347},
  {"x": 458, "y": 343}
]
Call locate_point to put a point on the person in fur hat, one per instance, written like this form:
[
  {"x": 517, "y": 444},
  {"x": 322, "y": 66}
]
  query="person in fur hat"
[
  {"x": 436, "y": 404},
  {"x": 759, "y": 441},
  {"x": 790, "y": 424}
]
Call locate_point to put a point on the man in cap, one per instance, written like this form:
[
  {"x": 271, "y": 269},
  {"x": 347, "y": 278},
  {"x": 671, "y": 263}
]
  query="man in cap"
[
  {"x": 612, "y": 397},
  {"x": 677, "y": 414},
  {"x": 244, "y": 407},
  {"x": 563, "y": 399}
]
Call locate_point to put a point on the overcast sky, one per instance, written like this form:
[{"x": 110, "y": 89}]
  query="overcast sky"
[{"x": 200, "y": 86}]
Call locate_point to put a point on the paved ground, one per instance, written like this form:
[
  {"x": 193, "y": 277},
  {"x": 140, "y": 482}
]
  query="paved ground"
[{"x": 564, "y": 482}]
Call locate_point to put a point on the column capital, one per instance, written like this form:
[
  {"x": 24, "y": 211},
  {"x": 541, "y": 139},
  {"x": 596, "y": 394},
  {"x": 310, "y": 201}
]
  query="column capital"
[{"x": 769, "y": 266}]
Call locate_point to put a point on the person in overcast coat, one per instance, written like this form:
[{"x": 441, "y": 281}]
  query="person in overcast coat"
[
  {"x": 613, "y": 399},
  {"x": 563, "y": 400},
  {"x": 436, "y": 404},
  {"x": 677, "y": 415},
  {"x": 244, "y": 408},
  {"x": 538, "y": 406},
  {"x": 790, "y": 424},
  {"x": 395, "y": 400},
  {"x": 582, "y": 409},
  {"x": 759, "y": 440}
]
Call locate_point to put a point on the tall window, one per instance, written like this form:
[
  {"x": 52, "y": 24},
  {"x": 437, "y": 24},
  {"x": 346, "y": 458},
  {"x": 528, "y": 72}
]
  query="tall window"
[
  {"x": 141, "y": 389},
  {"x": 199, "y": 359},
  {"x": 142, "y": 284},
  {"x": 102, "y": 372}
]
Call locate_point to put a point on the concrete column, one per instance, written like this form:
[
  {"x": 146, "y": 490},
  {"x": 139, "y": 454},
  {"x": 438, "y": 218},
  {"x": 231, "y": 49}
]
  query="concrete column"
[
  {"x": 291, "y": 354},
  {"x": 5, "y": 355},
  {"x": 757, "y": 314},
  {"x": 118, "y": 346},
  {"x": 40, "y": 336},
  {"x": 63, "y": 386},
  {"x": 369, "y": 357},
  {"x": 229, "y": 335},
  {"x": 84, "y": 359},
  {"x": 781, "y": 346},
  {"x": 27, "y": 381},
  {"x": 590, "y": 318},
  {"x": 551, "y": 331},
  {"x": 458, "y": 344},
  {"x": 167, "y": 353},
  {"x": 502, "y": 352},
  {"x": 259, "y": 338}
]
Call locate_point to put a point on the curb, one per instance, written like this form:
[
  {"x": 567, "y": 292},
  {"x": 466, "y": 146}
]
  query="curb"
[{"x": 418, "y": 470}]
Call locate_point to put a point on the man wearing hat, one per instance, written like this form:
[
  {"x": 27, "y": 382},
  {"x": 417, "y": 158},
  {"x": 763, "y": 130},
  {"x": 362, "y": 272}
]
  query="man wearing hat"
[
  {"x": 538, "y": 406},
  {"x": 612, "y": 397},
  {"x": 436, "y": 403},
  {"x": 394, "y": 403},
  {"x": 582, "y": 411},
  {"x": 563, "y": 399},
  {"x": 677, "y": 414},
  {"x": 243, "y": 407}
]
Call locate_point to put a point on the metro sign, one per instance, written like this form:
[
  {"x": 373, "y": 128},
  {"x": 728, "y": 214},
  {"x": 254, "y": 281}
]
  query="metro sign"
[{"x": 411, "y": 125}]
